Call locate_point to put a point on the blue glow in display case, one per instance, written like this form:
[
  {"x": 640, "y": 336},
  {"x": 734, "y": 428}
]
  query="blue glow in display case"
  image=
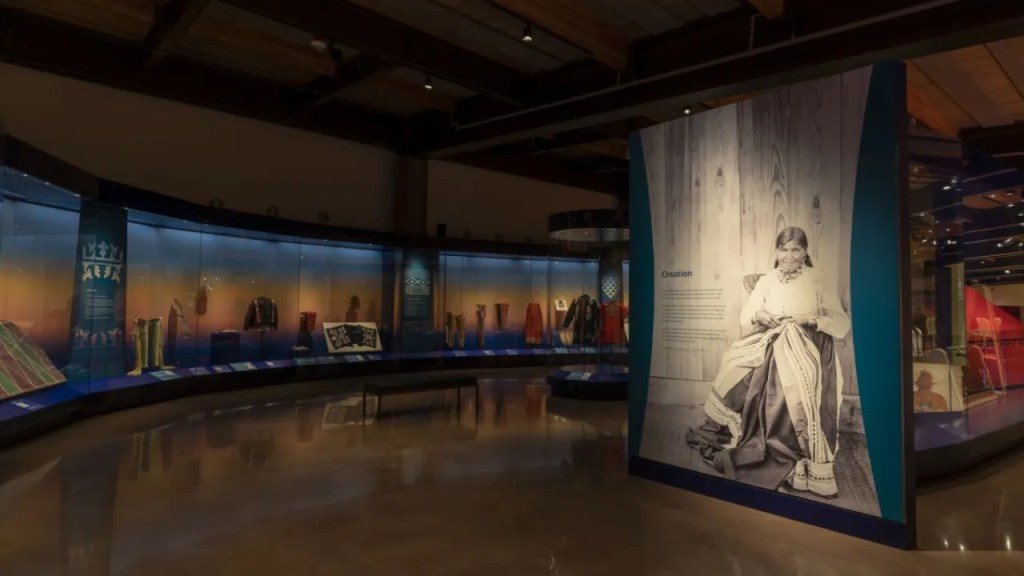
[{"x": 106, "y": 290}]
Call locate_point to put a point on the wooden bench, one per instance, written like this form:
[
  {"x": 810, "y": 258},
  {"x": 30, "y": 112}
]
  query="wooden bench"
[{"x": 391, "y": 389}]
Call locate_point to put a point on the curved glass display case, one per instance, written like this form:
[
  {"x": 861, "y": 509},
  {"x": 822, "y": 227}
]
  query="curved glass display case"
[
  {"x": 107, "y": 290},
  {"x": 590, "y": 303}
]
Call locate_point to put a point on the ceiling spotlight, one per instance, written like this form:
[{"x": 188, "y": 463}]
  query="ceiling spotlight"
[
  {"x": 428, "y": 83},
  {"x": 528, "y": 33},
  {"x": 687, "y": 110},
  {"x": 946, "y": 187},
  {"x": 319, "y": 44}
]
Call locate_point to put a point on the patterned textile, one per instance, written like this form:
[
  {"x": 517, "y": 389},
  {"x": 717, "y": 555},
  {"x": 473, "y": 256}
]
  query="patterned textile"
[
  {"x": 586, "y": 314},
  {"x": 613, "y": 323},
  {"x": 23, "y": 365},
  {"x": 774, "y": 409},
  {"x": 261, "y": 315},
  {"x": 355, "y": 336}
]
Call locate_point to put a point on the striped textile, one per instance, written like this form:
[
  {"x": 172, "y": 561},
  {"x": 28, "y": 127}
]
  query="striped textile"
[
  {"x": 800, "y": 372},
  {"x": 23, "y": 365}
]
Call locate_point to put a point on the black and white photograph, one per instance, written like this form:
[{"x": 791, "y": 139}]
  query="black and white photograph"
[{"x": 752, "y": 367}]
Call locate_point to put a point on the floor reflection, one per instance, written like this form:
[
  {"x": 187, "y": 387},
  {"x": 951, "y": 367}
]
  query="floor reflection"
[{"x": 521, "y": 484}]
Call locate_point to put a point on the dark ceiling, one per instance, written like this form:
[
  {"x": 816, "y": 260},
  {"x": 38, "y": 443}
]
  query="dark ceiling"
[{"x": 559, "y": 108}]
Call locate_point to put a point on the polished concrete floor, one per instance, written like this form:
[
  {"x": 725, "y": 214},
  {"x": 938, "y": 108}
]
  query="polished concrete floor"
[{"x": 288, "y": 480}]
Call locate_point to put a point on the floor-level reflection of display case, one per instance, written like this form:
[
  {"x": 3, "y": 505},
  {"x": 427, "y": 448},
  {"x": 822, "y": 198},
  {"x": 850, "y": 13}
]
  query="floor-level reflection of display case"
[{"x": 589, "y": 300}]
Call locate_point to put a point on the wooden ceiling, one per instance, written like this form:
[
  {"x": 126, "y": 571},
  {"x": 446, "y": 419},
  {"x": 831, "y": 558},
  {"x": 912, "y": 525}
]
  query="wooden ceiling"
[
  {"x": 557, "y": 108},
  {"x": 975, "y": 94}
]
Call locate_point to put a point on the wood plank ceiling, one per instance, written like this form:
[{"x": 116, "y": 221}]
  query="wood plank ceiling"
[
  {"x": 974, "y": 93},
  {"x": 359, "y": 68}
]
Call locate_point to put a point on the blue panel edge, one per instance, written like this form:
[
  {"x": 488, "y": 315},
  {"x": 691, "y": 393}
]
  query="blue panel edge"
[
  {"x": 875, "y": 286},
  {"x": 855, "y": 524},
  {"x": 641, "y": 281}
]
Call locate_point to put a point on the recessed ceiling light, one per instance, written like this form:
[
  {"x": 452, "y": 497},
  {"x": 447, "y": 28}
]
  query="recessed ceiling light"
[
  {"x": 687, "y": 110},
  {"x": 319, "y": 44},
  {"x": 528, "y": 33},
  {"x": 428, "y": 83}
]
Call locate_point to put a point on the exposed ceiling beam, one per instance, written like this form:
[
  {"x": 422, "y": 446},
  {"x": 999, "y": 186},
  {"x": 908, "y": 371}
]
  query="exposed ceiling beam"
[
  {"x": 770, "y": 9},
  {"x": 52, "y": 46},
  {"x": 920, "y": 108},
  {"x": 170, "y": 24},
  {"x": 549, "y": 168},
  {"x": 371, "y": 32},
  {"x": 1003, "y": 142},
  {"x": 908, "y": 34},
  {"x": 357, "y": 69},
  {"x": 572, "y": 21},
  {"x": 611, "y": 148}
]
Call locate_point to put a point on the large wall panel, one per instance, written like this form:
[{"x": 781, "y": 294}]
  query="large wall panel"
[{"x": 765, "y": 244}]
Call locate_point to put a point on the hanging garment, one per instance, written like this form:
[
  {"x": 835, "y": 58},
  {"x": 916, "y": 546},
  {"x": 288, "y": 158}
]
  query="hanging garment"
[
  {"x": 460, "y": 330},
  {"x": 502, "y": 315},
  {"x": 261, "y": 315},
  {"x": 141, "y": 336},
  {"x": 307, "y": 324},
  {"x": 175, "y": 321},
  {"x": 613, "y": 328},
  {"x": 352, "y": 315},
  {"x": 481, "y": 315},
  {"x": 156, "y": 344},
  {"x": 534, "y": 324},
  {"x": 202, "y": 299},
  {"x": 449, "y": 329},
  {"x": 584, "y": 317}
]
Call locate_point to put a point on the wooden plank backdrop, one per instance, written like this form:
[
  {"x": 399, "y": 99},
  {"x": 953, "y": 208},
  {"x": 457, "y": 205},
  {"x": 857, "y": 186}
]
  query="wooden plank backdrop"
[{"x": 724, "y": 183}]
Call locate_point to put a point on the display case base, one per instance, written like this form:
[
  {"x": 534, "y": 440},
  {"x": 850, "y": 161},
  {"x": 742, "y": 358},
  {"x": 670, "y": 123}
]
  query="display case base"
[
  {"x": 591, "y": 382},
  {"x": 34, "y": 413}
]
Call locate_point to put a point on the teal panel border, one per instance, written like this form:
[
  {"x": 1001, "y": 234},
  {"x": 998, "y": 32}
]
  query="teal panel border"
[
  {"x": 876, "y": 285},
  {"x": 641, "y": 285}
]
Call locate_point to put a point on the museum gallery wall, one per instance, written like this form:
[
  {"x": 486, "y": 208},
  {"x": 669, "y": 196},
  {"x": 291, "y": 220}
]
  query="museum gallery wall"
[{"x": 766, "y": 286}]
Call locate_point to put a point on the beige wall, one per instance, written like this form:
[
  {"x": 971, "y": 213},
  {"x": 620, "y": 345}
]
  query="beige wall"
[
  {"x": 488, "y": 203},
  {"x": 1008, "y": 295},
  {"x": 198, "y": 154}
]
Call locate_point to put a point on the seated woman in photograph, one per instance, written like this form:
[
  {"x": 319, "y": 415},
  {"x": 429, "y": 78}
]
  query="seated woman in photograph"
[{"x": 772, "y": 416}]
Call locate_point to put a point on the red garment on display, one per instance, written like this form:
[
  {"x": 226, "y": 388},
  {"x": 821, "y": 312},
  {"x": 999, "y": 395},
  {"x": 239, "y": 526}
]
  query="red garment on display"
[
  {"x": 534, "y": 324},
  {"x": 613, "y": 317}
]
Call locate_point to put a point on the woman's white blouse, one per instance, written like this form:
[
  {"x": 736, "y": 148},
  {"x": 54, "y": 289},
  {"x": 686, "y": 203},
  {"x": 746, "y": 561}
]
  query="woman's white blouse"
[{"x": 802, "y": 297}]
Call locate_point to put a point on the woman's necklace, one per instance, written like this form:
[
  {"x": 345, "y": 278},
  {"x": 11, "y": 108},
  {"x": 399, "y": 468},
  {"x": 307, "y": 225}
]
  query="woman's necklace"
[{"x": 787, "y": 277}]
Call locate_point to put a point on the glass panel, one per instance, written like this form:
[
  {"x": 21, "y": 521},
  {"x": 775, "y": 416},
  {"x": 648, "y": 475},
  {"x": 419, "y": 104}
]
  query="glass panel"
[
  {"x": 336, "y": 286},
  {"x": 249, "y": 299},
  {"x": 967, "y": 277},
  {"x": 493, "y": 303},
  {"x": 164, "y": 272},
  {"x": 38, "y": 240}
]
